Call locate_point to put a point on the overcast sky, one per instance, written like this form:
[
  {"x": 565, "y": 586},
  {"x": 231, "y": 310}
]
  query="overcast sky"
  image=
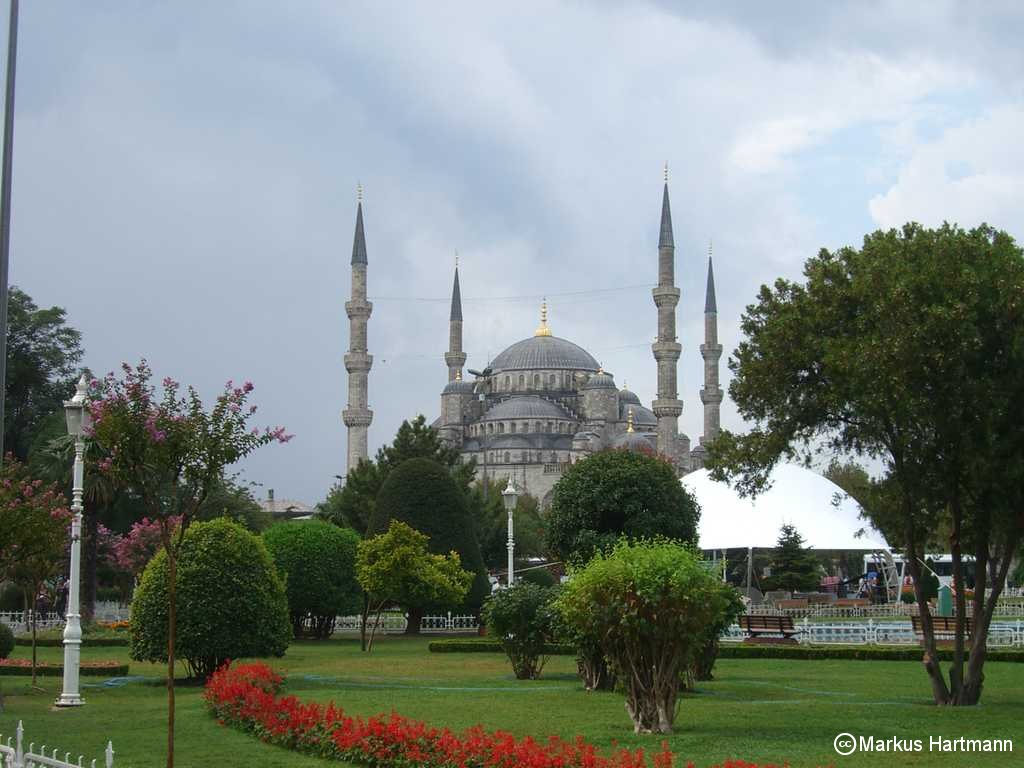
[{"x": 185, "y": 177}]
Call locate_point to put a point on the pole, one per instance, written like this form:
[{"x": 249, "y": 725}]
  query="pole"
[
  {"x": 70, "y": 697},
  {"x": 511, "y": 547},
  {"x": 5, "y": 205},
  {"x": 750, "y": 567}
]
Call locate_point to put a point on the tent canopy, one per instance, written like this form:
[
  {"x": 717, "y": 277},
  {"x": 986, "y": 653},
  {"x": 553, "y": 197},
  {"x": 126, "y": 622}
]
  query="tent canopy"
[{"x": 798, "y": 496}]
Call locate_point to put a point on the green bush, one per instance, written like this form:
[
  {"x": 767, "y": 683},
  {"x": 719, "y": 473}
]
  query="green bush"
[
  {"x": 6, "y": 641},
  {"x": 520, "y": 618},
  {"x": 540, "y": 576},
  {"x": 422, "y": 494},
  {"x": 231, "y": 602},
  {"x": 317, "y": 560},
  {"x": 11, "y": 598},
  {"x": 649, "y": 604}
]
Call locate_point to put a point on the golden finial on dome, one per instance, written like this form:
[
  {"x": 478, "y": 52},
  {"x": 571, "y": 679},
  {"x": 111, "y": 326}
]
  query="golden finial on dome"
[
  {"x": 629, "y": 421},
  {"x": 709, "y": 248},
  {"x": 542, "y": 329},
  {"x": 624, "y": 384},
  {"x": 359, "y": 192}
]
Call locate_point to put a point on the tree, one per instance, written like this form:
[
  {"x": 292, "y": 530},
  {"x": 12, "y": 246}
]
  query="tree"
[
  {"x": 909, "y": 350},
  {"x": 613, "y": 493},
  {"x": 231, "y": 602},
  {"x": 171, "y": 452},
  {"x": 794, "y": 568},
  {"x": 34, "y": 521},
  {"x": 520, "y": 617},
  {"x": 351, "y": 502},
  {"x": 490, "y": 521},
  {"x": 318, "y": 562},
  {"x": 647, "y": 604},
  {"x": 422, "y": 493},
  {"x": 397, "y": 567},
  {"x": 42, "y": 352},
  {"x": 233, "y": 500}
]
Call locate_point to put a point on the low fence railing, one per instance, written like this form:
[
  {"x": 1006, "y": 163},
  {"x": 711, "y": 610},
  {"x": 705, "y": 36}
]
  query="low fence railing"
[
  {"x": 393, "y": 623},
  {"x": 887, "y": 610},
  {"x": 21, "y": 621},
  {"x": 1001, "y": 634},
  {"x": 15, "y": 756}
]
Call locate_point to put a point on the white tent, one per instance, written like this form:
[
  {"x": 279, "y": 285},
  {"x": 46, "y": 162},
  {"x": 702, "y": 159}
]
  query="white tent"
[{"x": 798, "y": 496}]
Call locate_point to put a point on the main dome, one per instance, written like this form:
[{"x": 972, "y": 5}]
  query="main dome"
[{"x": 544, "y": 352}]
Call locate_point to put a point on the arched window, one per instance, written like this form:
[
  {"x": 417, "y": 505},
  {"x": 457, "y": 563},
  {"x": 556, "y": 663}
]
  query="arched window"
[
  {"x": 508, "y": 457},
  {"x": 522, "y": 381},
  {"x": 554, "y": 457},
  {"x": 550, "y": 427},
  {"x": 552, "y": 380},
  {"x": 490, "y": 429},
  {"x": 501, "y": 428},
  {"x": 512, "y": 427},
  {"x": 508, "y": 382}
]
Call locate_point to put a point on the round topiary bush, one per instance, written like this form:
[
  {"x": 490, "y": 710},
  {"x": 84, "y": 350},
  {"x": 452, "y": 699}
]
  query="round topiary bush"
[
  {"x": 231, "y": 602},
  {"x": 6, "y": 641},
  {"x": 422, "y": 494},
  {"x": 317, "y": 560}
]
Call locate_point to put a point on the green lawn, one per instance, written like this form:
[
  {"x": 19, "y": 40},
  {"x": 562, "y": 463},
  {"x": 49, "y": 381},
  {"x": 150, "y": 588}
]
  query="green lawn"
[{"x": 762, "y": 710}]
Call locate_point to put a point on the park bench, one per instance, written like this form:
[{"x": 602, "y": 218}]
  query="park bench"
[
  {"x": 943, "y": 626},
  {"x": 758, "y": 626}
]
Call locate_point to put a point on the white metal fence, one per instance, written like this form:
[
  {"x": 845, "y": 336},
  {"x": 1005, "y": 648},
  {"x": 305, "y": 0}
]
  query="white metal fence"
[
  {"x": 395, "y": 623},
  {"x": 21, "y": 621},
  {"x": 1002, "y": 634},
  {"x": 15, "y": 756},
  {"x": 885, "y": 610}
]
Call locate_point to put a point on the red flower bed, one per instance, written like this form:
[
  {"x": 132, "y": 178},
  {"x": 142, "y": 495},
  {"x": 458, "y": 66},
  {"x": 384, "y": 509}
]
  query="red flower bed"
[{"x": 246, "y": 696}]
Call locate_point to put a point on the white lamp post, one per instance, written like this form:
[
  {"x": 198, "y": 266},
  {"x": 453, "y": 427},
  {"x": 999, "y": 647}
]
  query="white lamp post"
[
  {"x": 510, "y": 495},
  {"x": 78, "y": 419}
]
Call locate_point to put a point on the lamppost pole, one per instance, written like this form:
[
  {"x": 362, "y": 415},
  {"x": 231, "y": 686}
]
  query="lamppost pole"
[
  {"x": 510, "y": 495},
  {"x": 77, "y": 420}
]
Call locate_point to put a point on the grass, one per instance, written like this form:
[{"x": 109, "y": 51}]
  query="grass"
[{"x": 761, "y": 710}]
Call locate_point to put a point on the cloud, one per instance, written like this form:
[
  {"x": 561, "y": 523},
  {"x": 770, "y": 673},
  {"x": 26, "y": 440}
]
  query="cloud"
[{"x": 972, "y": 173}]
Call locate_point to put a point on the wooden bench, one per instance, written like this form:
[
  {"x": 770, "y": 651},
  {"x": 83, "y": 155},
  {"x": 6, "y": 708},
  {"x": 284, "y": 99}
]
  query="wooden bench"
[
  {"x": 756, "y": 626},
  {"x": 944, "y": 627}
]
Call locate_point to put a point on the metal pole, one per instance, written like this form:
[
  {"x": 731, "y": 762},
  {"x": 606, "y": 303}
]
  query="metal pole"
[
  {"x": 70, "y": 697},
  {"x": 5, "y": 205},
  {"x": 750, "y": 567}
]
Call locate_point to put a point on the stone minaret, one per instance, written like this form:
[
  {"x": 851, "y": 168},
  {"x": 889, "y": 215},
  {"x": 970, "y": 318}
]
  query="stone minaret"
[
  {"x": 711, "y": 351},
  {"x": 667, "y": 407},
  {"x": 455, "y": 358},
  {"x": 357, "y": 416}
]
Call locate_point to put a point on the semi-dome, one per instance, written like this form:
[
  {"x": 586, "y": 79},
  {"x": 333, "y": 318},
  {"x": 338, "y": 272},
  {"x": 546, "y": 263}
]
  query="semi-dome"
[
  {"x": 798, "y": 496},
  {"x": 458, "y": 387},
  {"x": 544, "y": 352},
  {"x": 642, "y": 417},
  {"x": 628, "y": 397},
  {"x": 637, "y": 442},
  {"x": 526, "y": 407},
  {"x": 600, "y": 380}
]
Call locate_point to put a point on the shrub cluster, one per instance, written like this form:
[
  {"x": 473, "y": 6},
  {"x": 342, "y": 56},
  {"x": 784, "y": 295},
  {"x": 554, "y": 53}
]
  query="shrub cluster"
[
  {"x": 246, "y": 697},
  {"x": 85, "y": 668},
  {"x": 6, "y": 641},
  {"x": 520, "y": 618}
]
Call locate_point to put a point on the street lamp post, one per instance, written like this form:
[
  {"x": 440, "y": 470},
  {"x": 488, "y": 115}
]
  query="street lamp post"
[
  {"x": 510, "y": 496},
  {"x": 78, "y": 419}
]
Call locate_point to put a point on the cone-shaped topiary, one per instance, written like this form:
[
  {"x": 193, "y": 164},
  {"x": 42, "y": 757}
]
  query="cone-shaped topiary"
[
  {"x": 422, "y": 494},
  {"x": 231, "y": 602}
]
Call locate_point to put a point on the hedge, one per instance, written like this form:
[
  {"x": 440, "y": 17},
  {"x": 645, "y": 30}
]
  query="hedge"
[
  {"x": 86, "y": 669},
  {"x": 57, "y": 642},
  {"x": 751, "y": 651}
]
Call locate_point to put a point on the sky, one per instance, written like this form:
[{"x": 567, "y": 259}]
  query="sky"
[{"x": 185, "y": 178}]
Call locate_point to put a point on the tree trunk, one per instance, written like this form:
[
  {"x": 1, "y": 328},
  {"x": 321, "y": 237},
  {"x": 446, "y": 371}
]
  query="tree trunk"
[
  {"x": 956, "y": 670},
  {"x": 362, "y": 621},
  {"x": 415, "y": 619},
  {"x": 940, "y": 693},
  {"x": 171, "y": 628}
]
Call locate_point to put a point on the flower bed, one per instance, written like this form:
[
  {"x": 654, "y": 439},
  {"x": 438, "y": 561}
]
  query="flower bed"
[
  {"x": 246, "y": 696},
  {"x": 86, "y": 668}
]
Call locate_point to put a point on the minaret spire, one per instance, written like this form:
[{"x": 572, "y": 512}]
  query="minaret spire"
[
  {"x": 358, "y": 416},
  {"x": 711, "y": 351},
  {"x": 667, "y": 406},
  {"x": 455, "y": 358}
]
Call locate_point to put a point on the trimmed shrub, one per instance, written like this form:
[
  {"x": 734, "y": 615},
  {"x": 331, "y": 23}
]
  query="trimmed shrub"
[
  {"x": 540, "y": 576},
  {"x": 422, "y": 494},
  {"x": 317, "y": 560},
  {"x": 520, "y": 618},
  {"x": 231, "y": 602},
  {"x": 6, "y": 641}
]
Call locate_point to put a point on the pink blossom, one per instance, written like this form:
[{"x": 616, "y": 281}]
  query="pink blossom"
[{"x": 247, "y": 387}]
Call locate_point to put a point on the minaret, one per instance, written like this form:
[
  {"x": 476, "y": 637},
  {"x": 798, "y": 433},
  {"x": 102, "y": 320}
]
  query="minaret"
[
  {"x": 455, "y": 358},
  {"x": 357, "y": 416},
  {"x": 667, "y": 407},
  {"x": 711, "y": 351}
]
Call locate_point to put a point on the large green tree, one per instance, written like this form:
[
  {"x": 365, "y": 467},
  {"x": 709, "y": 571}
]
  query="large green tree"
[
  {"x": 42, "y": 354},
  {"x": 490, "y": 521},
  {"x": 794, "y": 567},
  {"x": 350, "y": 502},
  {"x": 909, "y": 350},
  {"x": 613, "y": 493},
  {"x": 422, "y": 494}
]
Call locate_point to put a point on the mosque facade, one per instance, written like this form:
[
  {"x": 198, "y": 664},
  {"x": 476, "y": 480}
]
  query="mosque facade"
[{"x": 544, "y": 402}]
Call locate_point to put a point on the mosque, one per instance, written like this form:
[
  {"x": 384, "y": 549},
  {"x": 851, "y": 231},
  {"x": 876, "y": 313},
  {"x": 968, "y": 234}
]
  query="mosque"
[{"x": 545, "y": 402}]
